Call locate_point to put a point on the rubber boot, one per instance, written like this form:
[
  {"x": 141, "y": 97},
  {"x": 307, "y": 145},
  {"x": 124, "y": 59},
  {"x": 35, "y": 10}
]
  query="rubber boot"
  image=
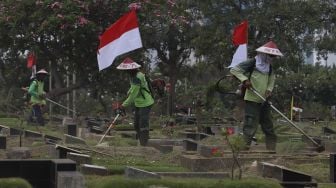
[{"x": 143, "y": 137}]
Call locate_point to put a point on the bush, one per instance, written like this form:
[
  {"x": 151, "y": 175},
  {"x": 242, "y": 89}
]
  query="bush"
[
  {"x": 121, "y": 182},
  {"x": 14, "y": 183}
]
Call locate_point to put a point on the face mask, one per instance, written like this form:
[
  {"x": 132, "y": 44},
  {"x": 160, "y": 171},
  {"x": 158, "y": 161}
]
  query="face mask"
[{"x": 263, "y": 62}]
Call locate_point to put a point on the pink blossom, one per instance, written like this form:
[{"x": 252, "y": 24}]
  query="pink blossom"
[
  {"x": 38, "y": 2},
  {"x": 60, "y": 16},
  {"x": 83, "y": 21},
  {"x": 171, "y": 2},
  {"x": 56, "y": 5},
  {"x": 63, "y": 26},
  {"x": 134, "y": 6}
]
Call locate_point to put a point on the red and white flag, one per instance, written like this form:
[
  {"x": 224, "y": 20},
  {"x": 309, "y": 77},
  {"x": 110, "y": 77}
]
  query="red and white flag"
[
  {"x": 31, "y": 60},
  {"x": 239, "y": 39},
  {"x": 31, "y": 63},
  {"x": 121, "y": 37}
]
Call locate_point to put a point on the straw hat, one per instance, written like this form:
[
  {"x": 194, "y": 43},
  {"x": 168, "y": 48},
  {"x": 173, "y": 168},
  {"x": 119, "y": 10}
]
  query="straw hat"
[
  {"x": 42, "y": 71},
  {"x": 270, "y": 48},
  {"x": 128, "y": 64}
]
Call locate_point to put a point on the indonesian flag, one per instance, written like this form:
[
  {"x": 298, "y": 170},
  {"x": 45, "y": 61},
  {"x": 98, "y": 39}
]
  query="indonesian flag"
[
  {"x": 121, "y": 37},
  {"x": 31, "y": 60},
  {"x": 239, "y": 39}
]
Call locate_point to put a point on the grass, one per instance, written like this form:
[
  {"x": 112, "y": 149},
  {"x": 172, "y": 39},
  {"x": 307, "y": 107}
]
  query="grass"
[
  {"x": 122, "y": 182},
  {"x": 319, "y": 171},
  {"x": 170, "y": 163},
  {"x": 117, "y": 164}
]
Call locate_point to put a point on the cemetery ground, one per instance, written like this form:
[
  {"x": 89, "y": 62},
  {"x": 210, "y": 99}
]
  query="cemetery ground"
[{"x": 178, "y": 156}]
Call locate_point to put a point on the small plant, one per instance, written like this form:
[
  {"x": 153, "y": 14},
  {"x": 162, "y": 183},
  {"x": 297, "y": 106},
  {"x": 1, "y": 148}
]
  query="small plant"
[
  {"x": 236, "y": 144},
  {"x": 215, "y": 152}
]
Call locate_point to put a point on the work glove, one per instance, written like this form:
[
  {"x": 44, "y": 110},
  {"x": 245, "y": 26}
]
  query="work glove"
[
  {"x": 268, "y": 94},
  {"x": 121, "y": 110},
  {"x": 247, "y": 84}
]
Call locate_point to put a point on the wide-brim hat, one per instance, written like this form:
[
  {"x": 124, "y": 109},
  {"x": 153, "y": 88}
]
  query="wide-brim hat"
[
  {"x": 42, "y": 71},
  {"x": 270, "y": 48},
  {"x": 128, "y": 64}
]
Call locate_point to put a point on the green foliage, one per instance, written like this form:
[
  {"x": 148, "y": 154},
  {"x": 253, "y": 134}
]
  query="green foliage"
[
  {"x": 65, "y": 34},
  {"x": 121, "y": 182},
  {"x": 14, "y": 183}
]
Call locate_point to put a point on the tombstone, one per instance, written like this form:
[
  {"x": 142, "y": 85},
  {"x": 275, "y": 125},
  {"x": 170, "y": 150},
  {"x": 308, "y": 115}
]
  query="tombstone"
[
  {"x": 328, "y": 131},
  {"x": 4, "y": 130},
  {"x": 131, "y": 172},
  {"x": 71, "y": 179},
  {"x": 19, "y": 153},
  {"x": 60, "y": 165},
  {"x": 74, "y": 140},
  {"x": 63, "y": 150},
  {"x": 208, "y": 130},
  {"x": 32, "y": 134},
  {"x": 39, "y": 173},
  {"x": 96, "y": 129},
  {"x": 14, "y": 131},
  {"x": 79, "y": 158},
  {"x": 67, "y": 120},
  {"x": 93, "y": 170},
  {"x": 194, "y": 135},
  {"x": 333, "y": 167},
  {"x": 93, "y": 123},
  {"x": 3, "y": 142},
  {"x": 54, "y": 138},
  {"x": 71, "y": 129},
  {"x": 189, "y": 145},
  {"x": 330, "y": 146},
  {"x": 288, "y": 178}
]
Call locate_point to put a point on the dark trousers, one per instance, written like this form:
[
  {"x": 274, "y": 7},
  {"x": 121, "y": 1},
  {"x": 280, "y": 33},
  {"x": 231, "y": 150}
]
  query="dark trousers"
[
  {"x": 141, "y": 123},
  {"x": 37, "y": 114},
  {"x": 259, "y": 113}
]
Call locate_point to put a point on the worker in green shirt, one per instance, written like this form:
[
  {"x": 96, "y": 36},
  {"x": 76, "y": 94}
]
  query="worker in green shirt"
[
  {"x": 37, "y": 97},
  {"x": 257, "y": 73},
  {"x": 140, "y": 96}
]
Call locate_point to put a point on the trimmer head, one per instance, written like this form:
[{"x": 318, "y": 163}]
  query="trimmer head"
[{"x": 320, "y": 148}]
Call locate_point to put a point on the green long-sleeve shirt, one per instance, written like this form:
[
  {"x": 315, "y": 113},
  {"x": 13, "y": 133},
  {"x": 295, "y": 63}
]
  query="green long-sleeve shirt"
[
  {"x": 138, "y": 93},
  {"x": 36, "y": 92},
  {"x": 261, "y": 82}
]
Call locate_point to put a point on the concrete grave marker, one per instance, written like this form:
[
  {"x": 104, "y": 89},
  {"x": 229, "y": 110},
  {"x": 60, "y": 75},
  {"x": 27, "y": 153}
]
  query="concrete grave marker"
[
  {"x": 131, "y": 172},
  {"x": 40, "y": 173},
  {"x": 93, "y": 170},
  {"x": 74, "y": 140},
  {"x": 70, "y": 179},
  {"x": 19, "y": 153},
  {"x": 190, "y": 145},
  {"x": 287, "y": 177},
  {"x": 79, "y": 158},
  {"x": 67, "y": 120},
  {"x": 3, "y": 142},
  {"x": 32, "y": 134},
  {"x": 71, "y": 129},
  {"x": 63, "y": 150},
  {"x": 15, "y": 131}
]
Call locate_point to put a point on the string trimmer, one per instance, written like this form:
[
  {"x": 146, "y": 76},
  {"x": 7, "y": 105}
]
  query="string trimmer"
[{"x": 319, "y": 148}]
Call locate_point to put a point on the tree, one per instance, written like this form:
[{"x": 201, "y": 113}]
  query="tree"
[
  {"x": 168, "y": 31},
  {"x": 64, "y": 34}
]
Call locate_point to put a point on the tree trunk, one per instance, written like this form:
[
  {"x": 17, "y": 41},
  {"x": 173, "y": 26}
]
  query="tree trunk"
[{"x": 172, "y": 94}]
